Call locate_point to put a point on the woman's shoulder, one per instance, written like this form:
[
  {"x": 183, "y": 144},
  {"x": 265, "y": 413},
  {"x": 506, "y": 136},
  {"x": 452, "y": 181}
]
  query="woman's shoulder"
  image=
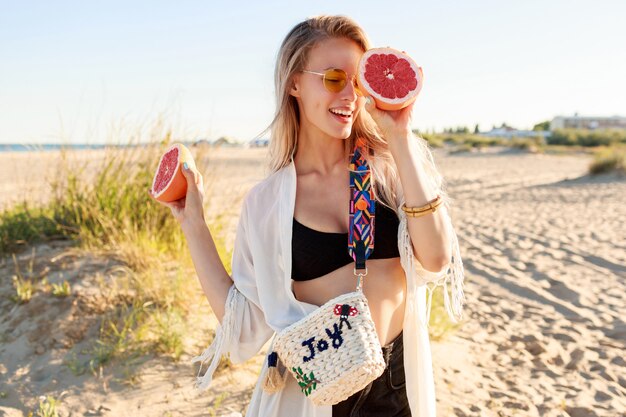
[{"x": 265, "y": 193}]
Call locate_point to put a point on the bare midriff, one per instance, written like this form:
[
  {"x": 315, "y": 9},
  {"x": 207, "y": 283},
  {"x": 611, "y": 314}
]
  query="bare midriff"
[{"x": 384, "y": 286}]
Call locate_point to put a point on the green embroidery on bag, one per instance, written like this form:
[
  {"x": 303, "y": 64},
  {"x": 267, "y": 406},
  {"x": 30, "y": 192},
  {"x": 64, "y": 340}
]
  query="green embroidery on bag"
[{"x": 306, "y": 383}]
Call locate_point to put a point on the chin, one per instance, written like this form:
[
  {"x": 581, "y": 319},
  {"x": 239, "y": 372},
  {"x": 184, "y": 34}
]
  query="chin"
[
  {"x": 344, "y": 132},
  {"x": 339, "y": 132},
  {"x": 342, "y": 135}
]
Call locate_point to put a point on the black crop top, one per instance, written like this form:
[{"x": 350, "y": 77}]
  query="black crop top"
[{"x": 315, "y": 253}]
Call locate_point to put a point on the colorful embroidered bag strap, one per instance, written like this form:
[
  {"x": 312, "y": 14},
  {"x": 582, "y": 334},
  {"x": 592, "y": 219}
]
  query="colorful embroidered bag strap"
[{"x": 362, "y": 209}]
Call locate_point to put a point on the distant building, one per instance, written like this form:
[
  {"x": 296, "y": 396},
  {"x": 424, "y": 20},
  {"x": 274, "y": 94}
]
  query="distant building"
[
  {"x": 259, "y": 142},
  {"x": 503, "y": 131},
  {"x": 201, "y": 142},
  {"x": 510, "y": 132},
  {"x": 585, "y": 122},
  {"x": 225, "y": 141}
]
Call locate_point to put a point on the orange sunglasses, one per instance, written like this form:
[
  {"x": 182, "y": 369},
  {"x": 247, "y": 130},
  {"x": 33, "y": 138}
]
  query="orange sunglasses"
[{"x": 335, "y": 80}]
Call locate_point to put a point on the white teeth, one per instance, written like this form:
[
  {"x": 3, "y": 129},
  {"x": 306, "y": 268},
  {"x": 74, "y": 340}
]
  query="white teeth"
[{"x": 341, "y": 112}]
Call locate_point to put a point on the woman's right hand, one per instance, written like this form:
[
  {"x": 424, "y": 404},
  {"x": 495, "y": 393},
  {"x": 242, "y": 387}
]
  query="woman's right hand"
[{"x": 188, "y": 209}]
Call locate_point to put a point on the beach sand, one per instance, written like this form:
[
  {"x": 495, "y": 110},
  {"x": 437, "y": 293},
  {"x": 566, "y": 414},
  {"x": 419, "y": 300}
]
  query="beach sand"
[{"x": 544, "y": 251}]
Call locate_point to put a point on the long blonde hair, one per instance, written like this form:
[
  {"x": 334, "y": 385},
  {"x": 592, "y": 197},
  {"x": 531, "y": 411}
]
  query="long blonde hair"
[{"x": 292, "y": 57}]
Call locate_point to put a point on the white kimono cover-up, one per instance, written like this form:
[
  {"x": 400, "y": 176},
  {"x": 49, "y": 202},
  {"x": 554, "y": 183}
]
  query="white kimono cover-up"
[{"x": 261, "y": 301}]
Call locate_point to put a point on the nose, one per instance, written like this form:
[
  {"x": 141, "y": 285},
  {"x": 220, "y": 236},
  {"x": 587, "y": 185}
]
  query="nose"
[
  {"x": 354, "y": 87},
  {"x": 355, "y": 84}
]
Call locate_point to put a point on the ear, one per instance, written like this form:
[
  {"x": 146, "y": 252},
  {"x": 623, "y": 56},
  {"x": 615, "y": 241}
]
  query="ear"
[{"x": 295, "y": 86}]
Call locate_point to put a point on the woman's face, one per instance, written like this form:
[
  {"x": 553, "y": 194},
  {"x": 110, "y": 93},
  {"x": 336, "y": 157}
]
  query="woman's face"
[{"x": 316, "y": 102}]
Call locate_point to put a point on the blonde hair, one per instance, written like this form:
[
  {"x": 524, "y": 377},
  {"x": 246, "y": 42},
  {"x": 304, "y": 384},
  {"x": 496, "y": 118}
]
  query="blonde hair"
[{"x": 283, "y": 145}]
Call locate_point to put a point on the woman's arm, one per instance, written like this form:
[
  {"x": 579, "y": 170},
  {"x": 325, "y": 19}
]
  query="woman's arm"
[
  {"x": 234, "y": 299},
  {"x": 430, "y": 234},
  {"x": 212, "y": 275},
  {"x": 189, "y": 213},
  {"x": 243, "y": 329}
]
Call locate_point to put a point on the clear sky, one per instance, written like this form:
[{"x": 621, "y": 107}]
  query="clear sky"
[{"x": 81, "y": 70}]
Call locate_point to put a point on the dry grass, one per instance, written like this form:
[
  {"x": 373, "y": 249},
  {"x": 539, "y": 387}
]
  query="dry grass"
[
  {"x": 609, "y": 159},
  {"x": 104, "y": 208}
]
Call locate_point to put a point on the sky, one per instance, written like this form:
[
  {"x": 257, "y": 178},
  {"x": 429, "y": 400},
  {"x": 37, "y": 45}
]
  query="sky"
[{"x": 90, "y": 72}]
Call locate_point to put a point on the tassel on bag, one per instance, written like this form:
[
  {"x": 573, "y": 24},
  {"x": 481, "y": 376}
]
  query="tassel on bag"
[{"x": 276, "y": 376}]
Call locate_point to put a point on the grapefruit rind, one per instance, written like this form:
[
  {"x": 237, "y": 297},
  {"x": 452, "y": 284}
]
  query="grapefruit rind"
[
  {"x": 176, "y": 186},
  {"x": 387, "y": 103}
]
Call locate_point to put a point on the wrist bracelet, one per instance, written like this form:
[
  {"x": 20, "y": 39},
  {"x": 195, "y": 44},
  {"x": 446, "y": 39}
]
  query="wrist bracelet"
[{"x": 429, "y": 207}]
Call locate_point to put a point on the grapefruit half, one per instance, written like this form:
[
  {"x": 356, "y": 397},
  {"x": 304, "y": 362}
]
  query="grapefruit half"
[
  {"x": 390, "y": 77},
  {"x": 169, "y": 183}
]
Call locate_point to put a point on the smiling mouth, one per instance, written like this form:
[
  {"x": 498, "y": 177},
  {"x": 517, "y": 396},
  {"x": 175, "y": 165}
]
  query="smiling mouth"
[{"x": 343, "y": 116}]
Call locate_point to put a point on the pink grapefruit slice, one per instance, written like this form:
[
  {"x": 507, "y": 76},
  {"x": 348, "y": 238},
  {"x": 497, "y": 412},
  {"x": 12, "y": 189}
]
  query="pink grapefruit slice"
[
  {"x": 169, "y": 183},
  {"x": 390, "y": 77}
]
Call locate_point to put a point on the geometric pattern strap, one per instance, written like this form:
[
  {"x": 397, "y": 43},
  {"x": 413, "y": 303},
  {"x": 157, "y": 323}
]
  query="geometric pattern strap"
[{"x": 362, "y": 207}]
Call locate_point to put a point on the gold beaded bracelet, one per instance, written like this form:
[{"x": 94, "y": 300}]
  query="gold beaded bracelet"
[{"x": 429, "y": 207}]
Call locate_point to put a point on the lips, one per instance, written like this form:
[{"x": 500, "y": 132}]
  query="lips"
[{"x": 343, "y": 115}]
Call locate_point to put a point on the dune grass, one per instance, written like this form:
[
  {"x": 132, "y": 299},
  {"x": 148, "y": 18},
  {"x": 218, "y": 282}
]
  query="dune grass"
[
  {"x": 466, "y": 142},
  {"x": 103, "y": 206},
  {"x": 561, "y": 142},
  {"x": 609, "y": 159},
  {"x": 47, "y": 407}
]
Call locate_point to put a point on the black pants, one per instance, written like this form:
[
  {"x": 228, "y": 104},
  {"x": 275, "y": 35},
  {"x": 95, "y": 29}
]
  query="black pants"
[{"x": 386, "y": 395}]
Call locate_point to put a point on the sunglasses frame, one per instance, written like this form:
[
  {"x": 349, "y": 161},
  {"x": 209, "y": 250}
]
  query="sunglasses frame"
[{"x": 353, "y": 79}]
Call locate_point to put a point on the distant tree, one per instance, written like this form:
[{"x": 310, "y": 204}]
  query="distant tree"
[
  {"x": 476, "y": 129},
  {"x": 505, "y": 125},
  {"x": 542, "y": 126}
]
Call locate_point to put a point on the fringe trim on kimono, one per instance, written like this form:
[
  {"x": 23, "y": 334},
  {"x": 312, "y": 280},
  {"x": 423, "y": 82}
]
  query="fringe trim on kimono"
[
  {"x": 453, "y": 274},
  {"x": 223, "y": 335}
]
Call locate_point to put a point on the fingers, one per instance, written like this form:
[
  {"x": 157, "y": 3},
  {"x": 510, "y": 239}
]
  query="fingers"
[
  {"x": 176, "y": 205},
  {"x": 192, "y": 177},
  {"x": 201, "y": 184},
  {"x": 369, "y": 104}
]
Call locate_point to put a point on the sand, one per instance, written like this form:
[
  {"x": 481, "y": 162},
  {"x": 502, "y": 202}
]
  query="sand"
[{"x": 544, "y": 249}]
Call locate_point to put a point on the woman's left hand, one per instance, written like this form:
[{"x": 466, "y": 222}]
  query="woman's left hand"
[{"x": 392, "y": 123}]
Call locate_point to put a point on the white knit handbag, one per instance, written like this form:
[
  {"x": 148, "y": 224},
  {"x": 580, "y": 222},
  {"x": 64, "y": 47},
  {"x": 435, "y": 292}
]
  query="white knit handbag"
[{"x": 335, "y": 351}]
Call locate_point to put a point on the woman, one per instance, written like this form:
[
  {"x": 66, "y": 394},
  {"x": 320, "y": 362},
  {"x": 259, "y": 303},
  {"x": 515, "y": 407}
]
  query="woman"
[{"x": 294, "y": 223}]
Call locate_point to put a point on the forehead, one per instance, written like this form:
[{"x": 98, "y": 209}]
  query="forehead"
[{"x": 335, "y": 52}]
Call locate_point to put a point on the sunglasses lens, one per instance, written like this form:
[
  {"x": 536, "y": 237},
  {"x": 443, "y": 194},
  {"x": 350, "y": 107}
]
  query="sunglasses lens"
[{"x": 335, "y": 80}]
